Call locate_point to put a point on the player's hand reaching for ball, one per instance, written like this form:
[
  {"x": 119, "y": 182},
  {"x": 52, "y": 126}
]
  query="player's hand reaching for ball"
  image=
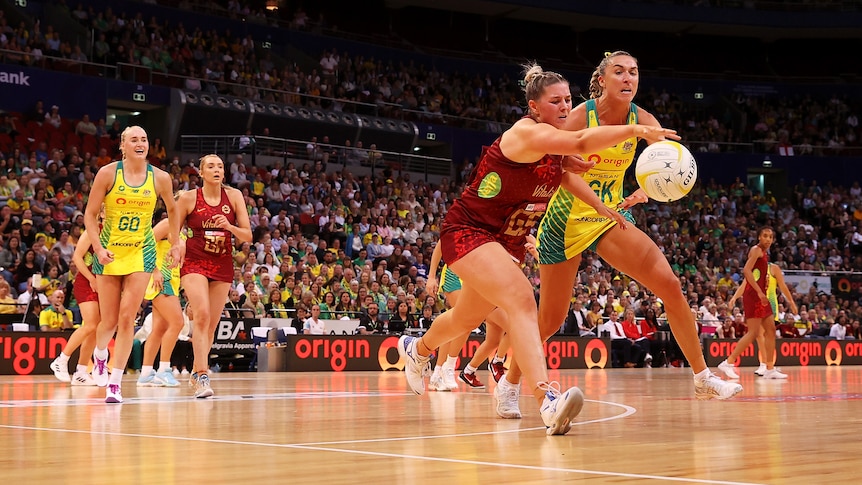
[
  {"x": 637, "y": 197},
  {"x": 653, "y": 134}
]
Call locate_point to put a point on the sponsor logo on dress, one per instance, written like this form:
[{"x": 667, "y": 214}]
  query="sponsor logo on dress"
[
  {"x": 490, "y": 186},
  {"x": 543, "y": 191}
]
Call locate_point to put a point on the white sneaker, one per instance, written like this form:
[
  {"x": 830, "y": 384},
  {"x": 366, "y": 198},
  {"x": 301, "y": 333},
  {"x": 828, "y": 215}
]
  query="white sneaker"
[
  {"x": 61, "y": 370},
  {"x": 761, "y": 370},
  {"x": 449, "y": 378},
  {"x": 436, "y": 383},
  {"x": 82, "y": 379},
  {"x": 148, "y": 379},
  {"x": 100, "y": 371},
  {"x": 714, "y": 388},
  {"x": 507, "y": 396},
  {"x": 648, "y": 360},
  {"x": 176, "y": 372},
  {"x": 727, "y": 368},
  {"x": 774, "y": 374},
  {"x": 113, "y": 395},
  {"x": 560, "y": 408},
  {"x": 203, "y": 389},
  {"x": 416, "y": 366}
]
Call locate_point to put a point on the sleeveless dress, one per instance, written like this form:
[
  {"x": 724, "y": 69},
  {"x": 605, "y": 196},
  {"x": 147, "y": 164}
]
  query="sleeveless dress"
[
  {"x": 571, "y": 225},
  {"x": 127, "y": 230},
  {"x": 752, "y": 307},
  {"x": 502, "y": 204},
  {"x": 81, "y": 289},
  {"x": 209, "y": 248}
]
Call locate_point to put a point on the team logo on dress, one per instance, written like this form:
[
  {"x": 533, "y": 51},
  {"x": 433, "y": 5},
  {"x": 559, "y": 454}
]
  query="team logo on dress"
[
  {"x": 627, "y": 146},
  {"x": 225, "y": 209},
  {"x": 490, "y": 186},
  {"x": 122, "y": 188}
]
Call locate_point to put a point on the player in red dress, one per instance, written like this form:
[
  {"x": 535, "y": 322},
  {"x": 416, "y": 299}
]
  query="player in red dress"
[
  {"x": 84, "y": 291},
  {"x": 214, "y": 214},
  {"x": 757, "y": 309},
  {"x": 484, "y": 233}
]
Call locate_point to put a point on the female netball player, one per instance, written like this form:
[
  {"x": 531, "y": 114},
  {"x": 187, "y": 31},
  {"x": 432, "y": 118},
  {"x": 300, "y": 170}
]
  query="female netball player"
[
  {"x": 84, "y": 291},
  {"x": 163, "y": 291},
  {"x": 214, "y": 214},
  {"x": 484, "y": 233},
  {"x": 776, "y": 281},
  {"x": 125, "y": 249},
  {"x": 758, "y": 312}
]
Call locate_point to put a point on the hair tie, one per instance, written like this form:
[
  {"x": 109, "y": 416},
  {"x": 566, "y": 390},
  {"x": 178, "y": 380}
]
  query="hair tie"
[{"x": 608, "y": 54}]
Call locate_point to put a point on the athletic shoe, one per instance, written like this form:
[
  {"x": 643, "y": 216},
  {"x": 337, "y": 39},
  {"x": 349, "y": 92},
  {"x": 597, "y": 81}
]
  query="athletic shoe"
[
  {"x": 761, "y": 370},
  {"x": 560, "y": 408},
  {"x": 498, "y": 370},
  {"x": 714, "y": 388},
  {"x": 61, "y": 370},
  {"x": 193, "y": 379},
  {"x": 648, "y": 360},
  {"x": 184, "y": 373},
  {"x": 148, "y": 380},
  {"x": 727, "y": 368},
  {"x": 436, "y": 383},
  {"x": 416, "y": 366},
  {"x": 82, "y": 379},
  {"x": 471, "y": 380},
  {"x": 507, "y": 396},
  {"x": 176, "y": 372},
  {"x": 202, "y": 386},
  {"x": 165, "y": 379},
  {"x": 449, "y": 378},
  {"x": 774, "y": 374},
  {"x": 100, "y": 371},
  {"x": 113, "y": 394}
]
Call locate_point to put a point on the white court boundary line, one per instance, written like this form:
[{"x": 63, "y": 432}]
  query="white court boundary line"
[{"x": 323, "y": 446}]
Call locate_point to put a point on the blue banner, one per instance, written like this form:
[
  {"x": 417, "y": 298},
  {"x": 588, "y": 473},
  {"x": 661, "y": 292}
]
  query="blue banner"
[{"x": 76, "y": 95}]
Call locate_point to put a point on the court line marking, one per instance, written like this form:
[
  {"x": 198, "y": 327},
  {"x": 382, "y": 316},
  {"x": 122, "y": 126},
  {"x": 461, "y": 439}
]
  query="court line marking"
[
  {"x": 387, "y": 455},
  {"x": 628, "y": 412}
]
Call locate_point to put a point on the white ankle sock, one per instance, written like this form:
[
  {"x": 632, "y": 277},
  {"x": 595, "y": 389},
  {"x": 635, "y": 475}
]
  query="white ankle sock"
[
  {"x": 702, "y": 375},
  {"x": 101, "y": 354},
  {"x": 62, "y": 358},
  {"x": 81, "y": 368},
  {"x": 164, "y": 366},
  {"x": 469, "y": 369},
  {"x": 146, "y": 370},
  {"x": 451, "y": 361},
  {"x": 498, "y": 360},
  {"x": 116, "y": 376}
]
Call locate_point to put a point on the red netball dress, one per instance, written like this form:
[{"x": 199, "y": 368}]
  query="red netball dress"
[
  {"x": 751, "y": 304},
  {"x": 502, "y": 203},
  {"x": 208, "y": 247}
]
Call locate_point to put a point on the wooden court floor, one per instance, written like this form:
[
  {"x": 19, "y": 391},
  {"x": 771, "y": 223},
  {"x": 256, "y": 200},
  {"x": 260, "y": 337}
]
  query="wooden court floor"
[{"x": 637, "y": 426}]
